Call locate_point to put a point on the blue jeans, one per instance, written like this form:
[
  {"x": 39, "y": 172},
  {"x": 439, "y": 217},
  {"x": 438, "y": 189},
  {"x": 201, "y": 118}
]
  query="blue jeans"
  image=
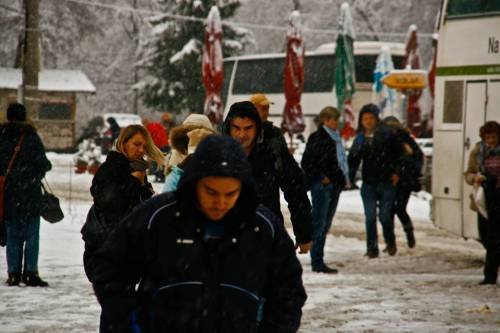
[
  {"x": 22, "y": 234},
  {"x": 383, "y": 195},
  {"x": 324, "y": 204}
]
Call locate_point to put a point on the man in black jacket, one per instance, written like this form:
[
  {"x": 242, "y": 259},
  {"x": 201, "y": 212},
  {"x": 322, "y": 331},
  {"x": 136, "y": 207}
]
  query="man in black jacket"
[
  {"x": 273, "y": 167},
  {"x": 377, "y": 147},
  {"x": 23, "y": 195},
  {"x": 325, "y": 165},
  {"x": 208, "y": 258}
]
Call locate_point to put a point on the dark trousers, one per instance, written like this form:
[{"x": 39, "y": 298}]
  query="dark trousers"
[
  {"x": 22, "y": 237},
  {"x": 324, "y": 204},
  {"x": 383, "y": 195},
  {"x": 400, "y": 204},
  {"x": 489, "y": 233}
]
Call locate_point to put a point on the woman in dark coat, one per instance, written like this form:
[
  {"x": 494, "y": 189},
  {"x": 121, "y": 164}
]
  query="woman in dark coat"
[
  {"x": 119, "y": 185},
  {"x": 410, "y": 172},
  {"x": 23, "y": 195},
  {"x": 484, "y": 170}
]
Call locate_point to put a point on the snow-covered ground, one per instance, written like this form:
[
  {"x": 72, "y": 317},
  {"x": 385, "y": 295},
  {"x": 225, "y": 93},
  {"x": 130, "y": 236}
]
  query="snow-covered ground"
[{"x": 432, "y": 288}]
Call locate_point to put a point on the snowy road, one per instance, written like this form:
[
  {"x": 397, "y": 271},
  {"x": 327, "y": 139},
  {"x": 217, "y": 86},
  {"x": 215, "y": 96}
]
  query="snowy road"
[{"x": 432, "y": 288}]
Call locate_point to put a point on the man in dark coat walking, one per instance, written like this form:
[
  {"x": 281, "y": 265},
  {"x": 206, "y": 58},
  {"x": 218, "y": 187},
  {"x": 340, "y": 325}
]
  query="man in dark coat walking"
[
  {"x": 273, "y": 168},
  {"x": 208, "y": 258},
  {"x": 23, "y": 195}
]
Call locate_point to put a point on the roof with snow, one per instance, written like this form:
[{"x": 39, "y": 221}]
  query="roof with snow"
[
  {"x": 56, "y": 80},
  {"x": 360, "y": 48}
]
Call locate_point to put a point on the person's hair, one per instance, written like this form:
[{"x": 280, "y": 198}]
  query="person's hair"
[
  {"x": 151, "y": 150},
  {"x": 244, "y": 109},
  {"x": 16, "y": 112},
  {"x": 490, "y": 127},
  {"x": 329, "y": 112}
]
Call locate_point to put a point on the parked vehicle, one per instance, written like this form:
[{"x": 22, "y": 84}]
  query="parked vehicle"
[
  {"x": 263, "y": 73},
  {"x": 467, "y": 94}
]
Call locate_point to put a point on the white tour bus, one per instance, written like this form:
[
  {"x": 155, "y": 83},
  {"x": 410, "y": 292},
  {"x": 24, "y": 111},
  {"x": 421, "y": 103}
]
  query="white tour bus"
[
  {"x": 467, "y": 95},
  {"x": 263, "y": 73}
]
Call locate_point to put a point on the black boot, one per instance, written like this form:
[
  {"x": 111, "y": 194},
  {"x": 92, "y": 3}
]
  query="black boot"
[
  {"x": 410, "y": 238},
  {"x": 34, "y": 280},
  {"x": 325, "y": 269},
  {"x": 392, "y": 249},
  {"x": 14, "y": 279}
]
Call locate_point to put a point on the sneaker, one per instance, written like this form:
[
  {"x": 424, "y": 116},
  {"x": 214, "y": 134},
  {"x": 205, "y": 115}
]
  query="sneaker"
[
  {"x": 34, "y": 280},
  {"x": 392, "y": 249},
  {"x": 410, "y": 238},
  {"x": 325, "y": 269},
  {"x": 13, "y": 280},
  {"x": 371, "y": 254}
]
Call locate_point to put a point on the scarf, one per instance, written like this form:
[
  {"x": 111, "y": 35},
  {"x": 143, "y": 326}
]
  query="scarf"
[{"x": 341, "y": 155}]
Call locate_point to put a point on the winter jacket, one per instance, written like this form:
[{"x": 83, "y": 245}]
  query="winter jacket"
[
  {"x": 172, "y": 179},
  {"x": 116, "y": 192},
  {"x": 274, "y": 168},
  {"x": 158, "y": 134},
  {"x": 320, "y": 159},
  {"x": 23, "y": 192},
  {"x": 381, "y": 155},
  {"x": 249, "y": 280},
  {"x": 475, "y": 163},
  {"x": 411, "y": 162}
]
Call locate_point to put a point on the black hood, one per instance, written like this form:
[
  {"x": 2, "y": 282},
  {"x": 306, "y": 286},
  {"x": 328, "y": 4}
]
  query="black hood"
[
  {"x": 242, "y": 110},
  {"x": 219, "y": 156},
  {"x": 368, "y": 108}
]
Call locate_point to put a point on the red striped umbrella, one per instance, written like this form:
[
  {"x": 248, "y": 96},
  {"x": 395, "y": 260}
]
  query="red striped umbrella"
[
  {"x": 212, "y": 67},
  {"x": 293, "y": 80}
]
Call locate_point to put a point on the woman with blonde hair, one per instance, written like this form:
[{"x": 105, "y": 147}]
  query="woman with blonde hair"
[{"x": 119, "y": 185}]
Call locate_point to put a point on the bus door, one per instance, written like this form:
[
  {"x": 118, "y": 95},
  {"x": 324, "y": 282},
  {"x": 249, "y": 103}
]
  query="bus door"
[
  {"x": 474, "y": 118},
  {"x": 493, "y": 112}
]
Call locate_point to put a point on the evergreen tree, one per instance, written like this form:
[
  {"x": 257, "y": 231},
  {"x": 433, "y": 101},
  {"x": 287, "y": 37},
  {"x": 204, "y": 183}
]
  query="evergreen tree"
[{"x": 173, "y": 52}]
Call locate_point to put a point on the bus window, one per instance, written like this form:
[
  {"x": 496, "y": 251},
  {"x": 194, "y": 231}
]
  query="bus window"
[
  {"x": 453, "y": 102},
  {"x": 470, "y": 8},
  {"x": 365, "y": 66},
  {"x": 319, "y": 73},
  {"x": 398, "y": 61},
  {"x": 228, "y": 71},
  {"x": 264, "y": 75}
]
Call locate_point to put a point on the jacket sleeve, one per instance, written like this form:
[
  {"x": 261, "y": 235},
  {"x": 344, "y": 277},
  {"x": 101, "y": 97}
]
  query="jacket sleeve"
[
  {"x": 310, "y": 160},
  {"x": 38, "y": 157},
  {"x": 472, "y": 166},
  {"x": 354, "y": 158},
  {"x": 113, "y": 191},
  {"x": 285, "y": 294},
  {"x": 292, "y": 183},
  {"x": 418, "y": 156},
  {"x": 115, "y": 270}
]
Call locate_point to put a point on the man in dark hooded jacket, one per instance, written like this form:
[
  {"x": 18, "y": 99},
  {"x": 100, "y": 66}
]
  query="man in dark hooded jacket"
[
  {"x": 23, "y": 195},
  {"x": 273, "y": 168},
  {"x": 207, "y": 258}
]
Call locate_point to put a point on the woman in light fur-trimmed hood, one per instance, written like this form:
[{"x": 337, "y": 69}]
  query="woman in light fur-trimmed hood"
[{"x": 184, "y": 139}]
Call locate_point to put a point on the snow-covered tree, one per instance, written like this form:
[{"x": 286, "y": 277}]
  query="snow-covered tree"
[{"x": 172, "y": 53}]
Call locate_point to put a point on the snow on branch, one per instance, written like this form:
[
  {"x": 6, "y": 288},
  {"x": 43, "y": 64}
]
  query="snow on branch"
[{"x": 193, "y": 46}]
